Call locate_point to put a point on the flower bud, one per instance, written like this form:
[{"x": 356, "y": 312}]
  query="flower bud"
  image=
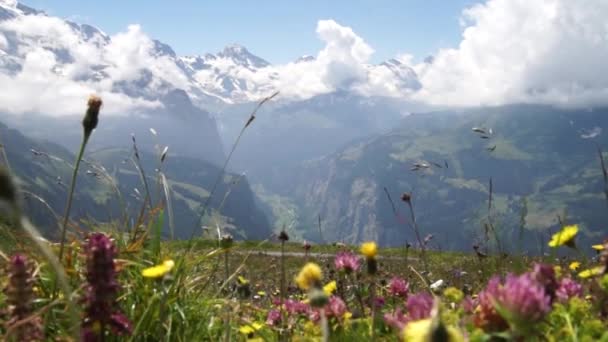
[{"x": 91, "y": 118}]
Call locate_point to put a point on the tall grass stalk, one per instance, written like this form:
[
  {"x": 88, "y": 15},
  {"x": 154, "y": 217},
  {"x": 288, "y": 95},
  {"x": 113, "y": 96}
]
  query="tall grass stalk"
[
  {"x": 89, "y": 123},
  {"x": 203, "y": 209},
  {"x": 407, "y": 198},
  {"x": 140, "y": 170}
]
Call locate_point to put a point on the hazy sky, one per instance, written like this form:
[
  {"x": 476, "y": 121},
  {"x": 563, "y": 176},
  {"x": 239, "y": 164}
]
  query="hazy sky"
[{"x": 278, "y": 31}]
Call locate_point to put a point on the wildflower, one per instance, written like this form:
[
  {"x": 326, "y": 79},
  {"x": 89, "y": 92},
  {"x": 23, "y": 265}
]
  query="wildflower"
[
  {"x": 369, "y": 250},
  {"x": 558, "y": 271},
  {"x": 346, "y": 262},
  {"x": 598, "y": 247},
  {"x": 419, "y": 306},
  {"x": 337, "y": 307},
  {"x": 592, "y": 272},
  {"x": 468, "y": 304},
  {"x": 158, "y": 271},
  {"x": 398, "y": 287},
  {"x": 568, "y": 288},
  {"x": 330, "y": 287},
  {"x": 545, "y": 276},
  {"x": 91, "y": 118},
  {"x": 486, "y": 317},
  {"x": 453, "y": 295},
  {"x": 396, "y": 320},
  {"x": 101, "y": 290},
  {"x": 574, "y": 265},
  {"x": 250, "y": 329},
  {"x": 523, "y": 301},
  {"x": 379, "y": 302},
  {"x": 274, "y": 318},
  {"x": 294, "y": 307},
  {"x": 19, "y": 296},
  {"x": 565, "y": 237},
  {"x": 309, "y": 276},
  {"x": 242, "y": 287},
  {"x": 428, "y": 330}
]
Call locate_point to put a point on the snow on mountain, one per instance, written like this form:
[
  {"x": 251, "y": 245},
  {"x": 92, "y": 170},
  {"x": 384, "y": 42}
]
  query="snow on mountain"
[{"x": 61, "y": 60}]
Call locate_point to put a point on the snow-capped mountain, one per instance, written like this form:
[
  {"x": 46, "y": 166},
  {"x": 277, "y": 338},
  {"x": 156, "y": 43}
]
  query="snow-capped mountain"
[{"x": 133, "y": 70}]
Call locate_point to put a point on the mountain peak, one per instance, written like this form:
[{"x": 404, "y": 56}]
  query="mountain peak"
[{"x": 241, "y": 56}]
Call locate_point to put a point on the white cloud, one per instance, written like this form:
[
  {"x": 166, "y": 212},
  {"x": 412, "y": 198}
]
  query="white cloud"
[
  {"x": 38, "y": 89},
  {"x": 341, "y": 64},
  {"x": 514, "y": 51},
  {"x": 56, "y": 73}
]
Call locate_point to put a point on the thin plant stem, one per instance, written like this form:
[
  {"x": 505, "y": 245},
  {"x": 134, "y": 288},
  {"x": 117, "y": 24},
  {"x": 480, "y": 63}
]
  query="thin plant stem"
[
  {"x": 68, "y": 207},
  {"x": 324, "y": 326},
  {"x": 282, "y": 295},
  {"x": 416, "y": 229},
  {"x": 372, "y": 299}
]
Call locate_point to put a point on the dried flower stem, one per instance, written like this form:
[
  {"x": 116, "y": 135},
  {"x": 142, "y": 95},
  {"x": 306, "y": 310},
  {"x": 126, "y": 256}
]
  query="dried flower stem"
[
  {"x": 68, "y": 206},
  {"x": 417, "y": 230}
]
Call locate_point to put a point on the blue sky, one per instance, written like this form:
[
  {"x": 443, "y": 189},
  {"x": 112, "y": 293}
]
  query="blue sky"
[{"x": 279, "y": 31}]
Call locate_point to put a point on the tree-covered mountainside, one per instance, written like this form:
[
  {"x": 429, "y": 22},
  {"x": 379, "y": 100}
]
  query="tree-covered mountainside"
[
  {"x": 543, "y": 163},
  {"x": 109, "y": 184}
]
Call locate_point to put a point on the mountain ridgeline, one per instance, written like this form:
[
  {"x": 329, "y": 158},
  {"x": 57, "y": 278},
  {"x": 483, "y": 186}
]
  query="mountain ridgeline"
[
  {"x": 543, "y": 163},
  {"x": 110, "y": 185}
]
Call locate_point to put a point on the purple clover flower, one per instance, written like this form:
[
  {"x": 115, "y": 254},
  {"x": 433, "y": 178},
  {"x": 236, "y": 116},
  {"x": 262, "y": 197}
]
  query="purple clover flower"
[
  {"x": 274, "y": 318},
  {"x": 347, "y": 262},
  {"x": 336, "y": 307},
  {"x": 524, "y": 300},
  {"x": 397, "y": 319},
  {"x": 101, "y": 290},
  {"x": 567, "y": 289},
  {"x": 486, "y": 317},
  {"x": 545, "y": 276},
  {"x": 419, "y": 306},
  {"x": 398, "y": 287}
]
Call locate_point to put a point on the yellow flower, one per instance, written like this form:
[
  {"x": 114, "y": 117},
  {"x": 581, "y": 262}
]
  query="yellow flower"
[
  {"x": 309, "y": 274},
  {"x": 598, "y": 247},
  {"x": 574, "y": 265},
  {"x": 369, "y": 249},
  {"x": 564, "y": 237},
  {"x": 330, "y": 288},
  {"x": 242, "y": 280},
  {"x": 592, "y": 272},
  {"x": 158, "y": 270},
  {"x": 422, "y": 331},
  {"x": 558, "y": 271},
  {"x": 250, "y": 328}
]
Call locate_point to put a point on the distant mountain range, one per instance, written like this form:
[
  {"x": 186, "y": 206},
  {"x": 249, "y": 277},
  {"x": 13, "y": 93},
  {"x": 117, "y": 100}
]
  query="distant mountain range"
[{"x": 537, "y": 155}]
